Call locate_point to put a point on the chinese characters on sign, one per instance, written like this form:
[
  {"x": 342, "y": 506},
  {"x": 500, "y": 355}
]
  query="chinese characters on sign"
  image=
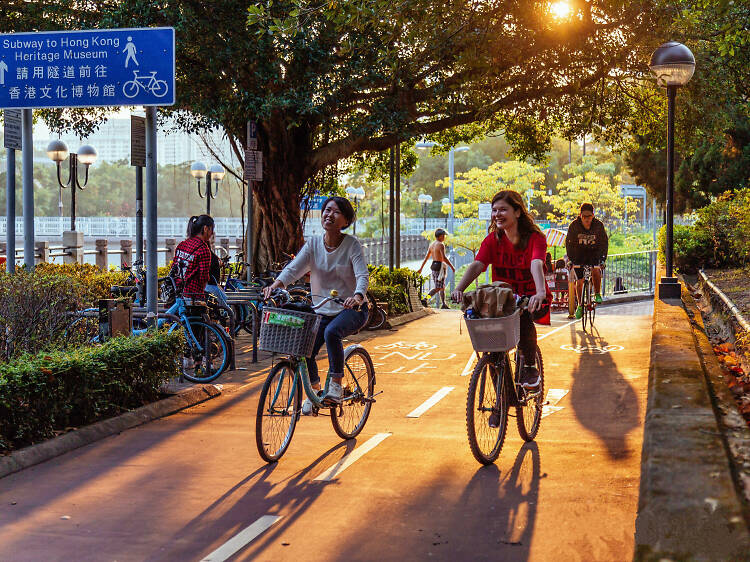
[{"x": 87, "y": 68}]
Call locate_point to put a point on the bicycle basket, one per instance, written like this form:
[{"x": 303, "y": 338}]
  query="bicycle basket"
[
  {"x": 288, "y": 331},
  {"x": 494, "y": 334}
]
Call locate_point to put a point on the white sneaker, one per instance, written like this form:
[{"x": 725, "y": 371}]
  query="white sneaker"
[
  {"x": 333, "y": 396},
  {"x": 306, "y": 407}
]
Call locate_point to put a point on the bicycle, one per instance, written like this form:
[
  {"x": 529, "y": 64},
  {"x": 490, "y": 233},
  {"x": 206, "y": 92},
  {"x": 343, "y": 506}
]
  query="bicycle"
[
  {"x": 293, "y": 333},
  {"x": 494, "y": 386},
  {"x": 587, "y": 298},
  {"x": 149, "y": 83}
]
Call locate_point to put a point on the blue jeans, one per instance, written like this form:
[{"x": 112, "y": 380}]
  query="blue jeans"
[
  {"x": 332, "y": 329},
  {"x": 218, "y": 292}
]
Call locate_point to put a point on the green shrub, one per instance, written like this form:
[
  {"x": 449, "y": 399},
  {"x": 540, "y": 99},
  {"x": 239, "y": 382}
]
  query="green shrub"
[
  {"x": 394, "y": 295},
  {"x": 94, "y": 283},
  {"x": 692, "y": 248},
  {"x": 45, "y": 393},
  {"x": 380, "y": 275}
]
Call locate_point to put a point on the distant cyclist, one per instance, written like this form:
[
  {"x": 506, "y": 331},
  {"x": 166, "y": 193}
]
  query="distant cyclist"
[
  {"x": 516, "y": 249},
  {"x": 439, "y": 266},
  {"x": 587, "y": 244},
  {"x": 192, "y": 258}
]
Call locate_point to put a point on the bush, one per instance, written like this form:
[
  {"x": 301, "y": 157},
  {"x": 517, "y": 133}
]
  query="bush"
[
  {"x": 94, "y": 283},
  {"x": 394, "y": 295},
  {"x": 720, "y": 237},
  {"x": 43, "y": 394},
  {"x": 380, "y": 275}
]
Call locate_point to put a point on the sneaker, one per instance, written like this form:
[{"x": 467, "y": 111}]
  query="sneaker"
[
  {"x": 529, "y": 377},
  {"x": 598, "y": 298},
  {"x": 333, "y": 396},
  {"x": 494, "y": 421},
  {"x": 307, "y": 406},
  {"x": 445, "y": 307},
  {"x": 571, "y": 316},
  {"x": 579, "y": 312}
]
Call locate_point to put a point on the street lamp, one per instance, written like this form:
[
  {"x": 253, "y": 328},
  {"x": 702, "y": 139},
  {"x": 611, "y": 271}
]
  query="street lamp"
[
  {"x": 216, "y": 172},
  {"x": 443, "y": 202},
  {"x": 57, "y": 151},
  {"x": 357, "y": 194},
  {"x": 451, "y": 196},
  {"x": 673, "y": 65},
  {"x": 425, "y": 200}
]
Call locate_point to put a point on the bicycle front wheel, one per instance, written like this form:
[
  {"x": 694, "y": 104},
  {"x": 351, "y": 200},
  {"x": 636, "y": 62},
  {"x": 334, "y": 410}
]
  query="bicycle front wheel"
[
  {"x": 277, "y": 413},
  {"x": 592, "y": 312},
  {"x": 130, "y": 89},
  {"x": 529, "y": 416},
  {"x": 483, "y": 406},
  {"x": 207, "y": 362},
  {"x": 358, "y": 386},
  {"x": 586, "y": 303},
  {"x": 377, "y": 320}
]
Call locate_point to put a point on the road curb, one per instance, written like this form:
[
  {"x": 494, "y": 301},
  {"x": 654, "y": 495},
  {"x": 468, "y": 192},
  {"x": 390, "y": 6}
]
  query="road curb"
[
  {"x": 35, "y": 454},
  {"x": 688, "y": 505},
  {"x": 621, "y": 299},
  {"x": 409, "y": 317}
]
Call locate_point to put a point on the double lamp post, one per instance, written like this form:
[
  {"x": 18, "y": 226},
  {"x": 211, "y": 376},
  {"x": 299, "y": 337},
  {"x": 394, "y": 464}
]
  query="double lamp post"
[
  {"x": 216, "y": 173},
  {"x": 57, "y": 151}
]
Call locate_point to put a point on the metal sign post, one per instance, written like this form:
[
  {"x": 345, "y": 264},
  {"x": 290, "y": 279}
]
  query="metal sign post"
[
  {"x": 253, "y": 173},
  {"x": 152, "y": 266},
  {"x": 27, "y": 159},
  {"x": 12, "y": 141},
  {"x": 138, "y": 159}
]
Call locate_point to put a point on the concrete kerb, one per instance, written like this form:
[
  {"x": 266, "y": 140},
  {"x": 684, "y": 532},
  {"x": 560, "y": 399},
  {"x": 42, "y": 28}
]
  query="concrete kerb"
[
  {"x": 689, "y": 507},
  {"x": 409, "y": 317},
  {"x": 35, "y": 454}
]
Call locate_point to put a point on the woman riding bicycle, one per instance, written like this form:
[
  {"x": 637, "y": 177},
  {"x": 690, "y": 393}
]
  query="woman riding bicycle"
[
  {"x": 516, "y": 248},
  {"x": 335, "y": 262},
  {"x": 192, "y": 258}
]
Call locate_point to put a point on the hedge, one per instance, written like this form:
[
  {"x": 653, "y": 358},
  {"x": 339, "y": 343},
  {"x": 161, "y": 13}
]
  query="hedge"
[
  {"x": 393, "y": 286},
  {"x": 43, "y": 394}
]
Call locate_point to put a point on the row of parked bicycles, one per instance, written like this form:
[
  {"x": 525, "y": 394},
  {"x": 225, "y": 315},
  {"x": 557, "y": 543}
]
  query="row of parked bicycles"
[{"x": 211, "y": 326}]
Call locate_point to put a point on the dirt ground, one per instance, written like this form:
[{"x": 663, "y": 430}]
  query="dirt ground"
[{"x": 735, "y": 283}]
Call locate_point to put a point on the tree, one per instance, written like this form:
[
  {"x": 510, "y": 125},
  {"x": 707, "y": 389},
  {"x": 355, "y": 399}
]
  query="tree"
[
  {"x": 479, "y": 186},
  {"x": 328, "y": 80}
]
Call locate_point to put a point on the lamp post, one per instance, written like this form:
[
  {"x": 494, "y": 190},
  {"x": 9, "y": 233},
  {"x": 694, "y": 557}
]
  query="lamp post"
[
  {"x": 451, "y": 196},
  {"x": 216, "y": 173},
  {"x": 425, "y": 200},
  {"x": 443, "y": 202},
  {"x": 356, "y": 194},
  {"x": 673, "y": 65},
  {"x": 57, "y": 151}
]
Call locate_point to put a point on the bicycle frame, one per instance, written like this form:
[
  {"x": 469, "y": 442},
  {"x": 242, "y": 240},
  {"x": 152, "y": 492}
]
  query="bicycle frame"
[
  {"x": 519, "y": 396},
  {"x": 178, "y": 309}
]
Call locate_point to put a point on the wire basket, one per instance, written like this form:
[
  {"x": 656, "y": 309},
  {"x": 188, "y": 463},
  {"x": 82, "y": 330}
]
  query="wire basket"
[
  {"x": 277, "y": 337},
  {"x": 494, "y": 334}
]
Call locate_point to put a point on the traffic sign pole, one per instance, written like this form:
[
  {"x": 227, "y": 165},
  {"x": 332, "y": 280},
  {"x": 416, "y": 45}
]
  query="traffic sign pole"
[
  {"x": 152, "y": 267},
  {"x": 139, "y": 213},
  {"x": 27, "y": 158},
  {"x": 10, "y": 224}
]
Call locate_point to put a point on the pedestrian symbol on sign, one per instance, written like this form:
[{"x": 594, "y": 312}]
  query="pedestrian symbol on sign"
[{"x": 130, "y": 50}]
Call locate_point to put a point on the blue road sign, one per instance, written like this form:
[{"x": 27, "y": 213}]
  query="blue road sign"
[
  {"x": 97, "y": 68},
  {"x": 316, "y": 202}
]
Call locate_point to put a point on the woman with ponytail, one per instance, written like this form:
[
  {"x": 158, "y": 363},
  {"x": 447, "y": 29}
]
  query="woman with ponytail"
[
  {"x": 516, "y": 249},
  {"x": 192, "y": 258}
]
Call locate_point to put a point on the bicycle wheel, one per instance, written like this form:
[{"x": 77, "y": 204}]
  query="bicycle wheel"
[
  {"x": 212, "y": 360},
  {"x": 592, "y": 311},
  {"x": 159, "y": 88},
  {"x": 585, "y": 297},
  {"x": 278, "y": 411},
  {"x": 378, "y": 319},
  {"x": 482, "y": 402},
  {"x": 130, "y": 89},
  {"x": 529, "y": 416},
  {"x": 358, "y": 387}
]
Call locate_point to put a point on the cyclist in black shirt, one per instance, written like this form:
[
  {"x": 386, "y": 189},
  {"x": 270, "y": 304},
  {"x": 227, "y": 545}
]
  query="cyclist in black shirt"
[{"x": 587, "y": 244}]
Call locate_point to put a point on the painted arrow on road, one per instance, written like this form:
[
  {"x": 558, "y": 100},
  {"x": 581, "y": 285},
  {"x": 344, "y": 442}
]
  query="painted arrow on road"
[{"x": 554, "y": 395}]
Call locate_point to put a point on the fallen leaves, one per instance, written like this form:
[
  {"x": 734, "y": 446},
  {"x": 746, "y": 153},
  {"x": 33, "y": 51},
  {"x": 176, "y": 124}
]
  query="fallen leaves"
[{"x": 737, "y": 380}]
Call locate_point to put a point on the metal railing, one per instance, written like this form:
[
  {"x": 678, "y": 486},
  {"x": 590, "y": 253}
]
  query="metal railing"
[
  {"x": 376, "y": 249},
  {"x": 636, "y": 272}
]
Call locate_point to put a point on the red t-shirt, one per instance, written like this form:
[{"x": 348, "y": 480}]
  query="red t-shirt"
[{"x": 512, "y": 265}]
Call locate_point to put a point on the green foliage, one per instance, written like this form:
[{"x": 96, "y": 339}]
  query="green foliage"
[
  {"x": 43, "y": 394},
  {"x": 94, "y": 283},
  {"x": 394, "y": 295},
  {"x": 720, "y": 237}
]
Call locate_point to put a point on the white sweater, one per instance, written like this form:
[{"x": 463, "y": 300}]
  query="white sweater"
[{"x": 344, "y": 270}]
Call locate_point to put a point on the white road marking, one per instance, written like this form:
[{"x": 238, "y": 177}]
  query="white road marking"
[
  {"x": 348, "y": 460},
  {"x": 430, "y": 402},
  {"x": 554, "y": 395},
  {"x": 241, "y": 539},
  {"x": 555, "y": 330},
  {"x": 469, "y": 365}
]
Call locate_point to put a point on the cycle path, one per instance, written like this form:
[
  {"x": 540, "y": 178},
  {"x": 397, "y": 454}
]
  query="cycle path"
[{"x": 192, "y": 487}]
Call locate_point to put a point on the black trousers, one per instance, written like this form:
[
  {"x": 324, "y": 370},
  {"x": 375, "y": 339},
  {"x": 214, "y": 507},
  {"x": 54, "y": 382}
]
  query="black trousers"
[{"x": 527, "y": 341}]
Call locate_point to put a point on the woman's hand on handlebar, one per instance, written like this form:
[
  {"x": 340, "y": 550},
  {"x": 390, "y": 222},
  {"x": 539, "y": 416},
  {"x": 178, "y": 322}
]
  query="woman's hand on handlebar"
[
  {"x": 536, "y": 302},
  {"x": 354, "y": 301},
  {"x": 271, "y": 288}
]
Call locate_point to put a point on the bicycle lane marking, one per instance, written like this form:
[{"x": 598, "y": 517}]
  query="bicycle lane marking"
[
  {"x": 554, "y": 395},
  {"x": 430, "y": 402},
  {"x": 348, "y": 459},
  {"x": 241, "y": 539}
]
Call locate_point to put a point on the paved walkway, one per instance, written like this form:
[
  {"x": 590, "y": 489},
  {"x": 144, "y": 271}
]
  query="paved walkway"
[{"x": 192, "y": 487}]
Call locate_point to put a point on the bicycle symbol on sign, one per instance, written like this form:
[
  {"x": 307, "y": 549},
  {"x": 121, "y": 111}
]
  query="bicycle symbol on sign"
[{"x": 148, "y": 83}]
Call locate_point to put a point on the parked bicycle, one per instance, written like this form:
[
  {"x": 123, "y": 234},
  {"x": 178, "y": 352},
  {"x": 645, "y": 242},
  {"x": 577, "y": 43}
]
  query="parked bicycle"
[
  {"x": 292, "y": 333},
  {"x": 494, "y": 387}
]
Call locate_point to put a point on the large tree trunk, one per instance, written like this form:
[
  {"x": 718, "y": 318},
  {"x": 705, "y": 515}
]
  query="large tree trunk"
[{"x": 285, "y": 172}]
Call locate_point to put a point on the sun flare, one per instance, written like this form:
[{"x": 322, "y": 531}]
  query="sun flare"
[{"x": 560, "y": 10}]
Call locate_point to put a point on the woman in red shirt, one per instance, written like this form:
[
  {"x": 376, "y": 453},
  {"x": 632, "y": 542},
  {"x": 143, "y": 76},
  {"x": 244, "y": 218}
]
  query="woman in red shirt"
[{"x": 516, "y": 249}]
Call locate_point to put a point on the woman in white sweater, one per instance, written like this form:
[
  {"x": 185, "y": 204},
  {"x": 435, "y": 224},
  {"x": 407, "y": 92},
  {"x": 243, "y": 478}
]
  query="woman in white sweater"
[{"x": 335, "y": 261}]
